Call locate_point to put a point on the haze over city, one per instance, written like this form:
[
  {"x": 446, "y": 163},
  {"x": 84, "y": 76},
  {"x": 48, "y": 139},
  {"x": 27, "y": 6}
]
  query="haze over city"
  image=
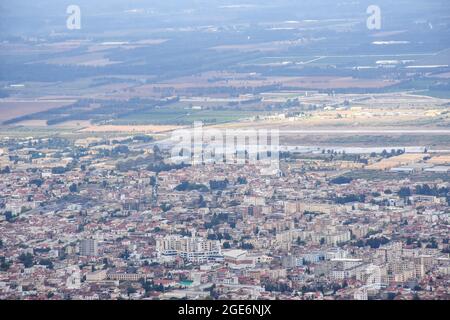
[{"x": 224, "y": 150}]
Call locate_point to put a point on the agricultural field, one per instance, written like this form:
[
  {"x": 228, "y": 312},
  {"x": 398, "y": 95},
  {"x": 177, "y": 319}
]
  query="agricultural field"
[
  {"x": 13, "y": 108},
  {"x": 418, "y": 177},
  {"x": 443, "y": 159},
  {"x": 182, "y": 116},
  {"x": 128, "y": 128},
  {"x": 317, "y": 73},
  {"x": 401, "y": 160},
  {"x": 257, "y": 81}
]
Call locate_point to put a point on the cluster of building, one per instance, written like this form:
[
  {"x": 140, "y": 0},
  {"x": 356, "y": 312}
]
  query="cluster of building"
[{"x": 76, "y": 223}]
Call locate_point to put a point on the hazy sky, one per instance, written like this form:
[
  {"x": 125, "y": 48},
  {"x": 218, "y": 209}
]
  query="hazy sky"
[{"x": 18, "y": 16}]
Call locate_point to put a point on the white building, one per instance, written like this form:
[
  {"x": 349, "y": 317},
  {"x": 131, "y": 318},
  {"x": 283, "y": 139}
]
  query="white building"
[{"x": 192, "y": 249}]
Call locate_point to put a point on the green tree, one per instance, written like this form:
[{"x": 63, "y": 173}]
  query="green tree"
[
  {"x": 73, "y": 188},
  {"x": 4, "y": 265},
  {"x": 27, "y": 260}
]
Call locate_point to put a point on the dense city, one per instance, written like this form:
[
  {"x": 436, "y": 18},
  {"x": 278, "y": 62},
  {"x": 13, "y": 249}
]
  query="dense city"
[{"x": 112, "y": 218}]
